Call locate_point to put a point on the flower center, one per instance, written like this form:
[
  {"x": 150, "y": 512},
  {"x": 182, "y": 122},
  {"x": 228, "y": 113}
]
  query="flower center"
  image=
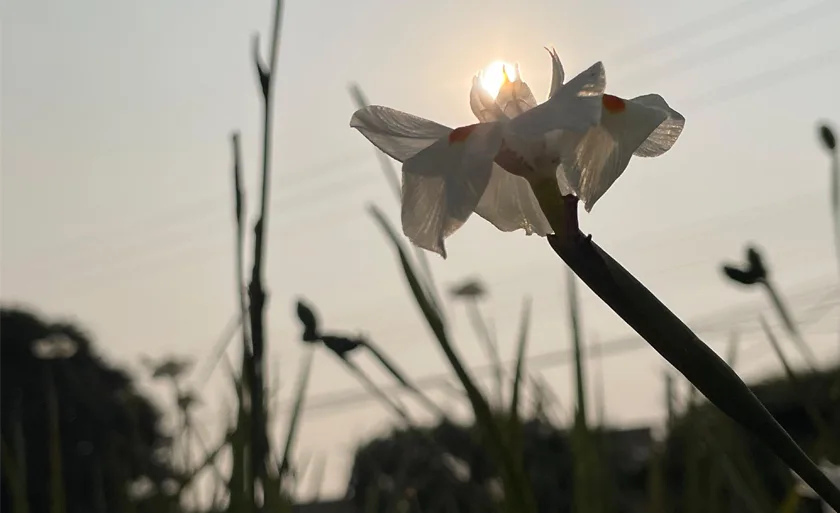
[{"x": 494, "y": 75}]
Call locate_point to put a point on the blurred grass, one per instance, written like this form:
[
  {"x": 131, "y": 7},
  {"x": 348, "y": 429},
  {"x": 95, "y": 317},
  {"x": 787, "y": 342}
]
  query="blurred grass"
[{"x": 718, "y": 472}]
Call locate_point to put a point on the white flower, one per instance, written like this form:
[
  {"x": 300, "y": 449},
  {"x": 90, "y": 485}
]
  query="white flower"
[
  {"x": 449, "y": 174},
  {"x": 579, "y": 137},
  {"x": 645, "y": 126}
]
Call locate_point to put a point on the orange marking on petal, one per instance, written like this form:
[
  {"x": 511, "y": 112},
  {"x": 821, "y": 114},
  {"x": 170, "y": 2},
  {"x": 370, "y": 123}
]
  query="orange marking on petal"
[
  {"x": 461, "y": 133},
  {"x": 613, "y": 104}
]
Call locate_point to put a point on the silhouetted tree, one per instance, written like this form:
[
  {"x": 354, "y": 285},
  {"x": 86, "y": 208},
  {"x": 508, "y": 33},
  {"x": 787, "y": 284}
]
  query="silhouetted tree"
[
  {"x": 445, "y": 469},
  {"x": 736, "y": 466},
  {"x": 112, "y": 449}
]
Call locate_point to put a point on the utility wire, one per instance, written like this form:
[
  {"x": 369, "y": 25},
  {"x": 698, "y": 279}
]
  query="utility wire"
[
  {"x": 550, "y": 359},
  {"x": 684, "y": 32}
]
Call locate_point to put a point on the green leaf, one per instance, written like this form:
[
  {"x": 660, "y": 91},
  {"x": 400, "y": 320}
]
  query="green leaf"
[
  {"x": 517, "y": 497},
  {"x": 524, "y": 325},
  {"x": 294, "y": 419}
]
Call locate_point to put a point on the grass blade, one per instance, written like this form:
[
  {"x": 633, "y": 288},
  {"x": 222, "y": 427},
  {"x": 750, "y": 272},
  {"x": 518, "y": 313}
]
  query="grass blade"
[
  {"x": 488, "y": 343},
  {"x": 577, "y": 345},
  {"x": 294, "y": 419},
  {"x": 377, "y": 392},
  {"x": 826, "y": 436},
  {"x": 789, "y": 324},
  {"x": 518, "y": 497},
  {"x": 671, "y": 338},
  {"x": 392, "y": 177},
  {"x": 588, "y": 494},
  {"x": 524, "y": 325},
  {"x": 402, "y": 380}
]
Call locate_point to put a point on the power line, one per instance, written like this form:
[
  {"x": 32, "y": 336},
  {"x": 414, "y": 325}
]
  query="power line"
[
  {"x": 709, "y": 98},
  {"x": 764, "y": 79},
  {"x": 724, "y": 48},
  {"x": 332, "y": 401},
  {"x": 221, "y": 204},
  {"x": 756, "y": 82},
  {"x": 685, "y": 31},
  {"x": 694, "y": 27}
]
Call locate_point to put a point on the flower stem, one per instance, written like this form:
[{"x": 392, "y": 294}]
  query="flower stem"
[{"x": 670, "y": 337}]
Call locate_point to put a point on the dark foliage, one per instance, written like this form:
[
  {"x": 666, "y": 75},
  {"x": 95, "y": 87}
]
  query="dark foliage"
[
  {"x": 445, "y": 469},
  {"x": 714, "y": 437},
  {"x": 109, "y": 433}
]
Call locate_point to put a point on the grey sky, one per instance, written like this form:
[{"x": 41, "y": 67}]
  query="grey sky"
[{"x": 116, "y": 201}]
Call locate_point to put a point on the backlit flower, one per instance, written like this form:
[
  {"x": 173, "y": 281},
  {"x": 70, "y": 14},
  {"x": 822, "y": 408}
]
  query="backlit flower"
[
  {"x": 580, "y": 137},
  {"x": 645, "y": 126},
  {"x": 449, "y": 174}
]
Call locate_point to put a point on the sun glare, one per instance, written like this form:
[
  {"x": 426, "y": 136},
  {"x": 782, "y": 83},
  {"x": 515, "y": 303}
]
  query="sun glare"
[{"x": 493, "y": 76}]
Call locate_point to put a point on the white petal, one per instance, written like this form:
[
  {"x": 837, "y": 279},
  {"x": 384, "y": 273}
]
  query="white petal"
[
  {"x": 666, "y": 134},
  {"x": 509, "y": 204},
  {"x": 557, "y": 73},
  {"x": 576, "y": 106},
  {"x": 482, "y": 103},
  {"x": 593, "y": 161},
  {"x": 515, "y": 97},
  {"x": 398, "y": 134},
  {"x": 443, "y": 184}
]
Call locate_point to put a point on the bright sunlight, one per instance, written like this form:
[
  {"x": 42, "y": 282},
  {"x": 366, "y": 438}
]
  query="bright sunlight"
[{"x": 493, "y": 76}]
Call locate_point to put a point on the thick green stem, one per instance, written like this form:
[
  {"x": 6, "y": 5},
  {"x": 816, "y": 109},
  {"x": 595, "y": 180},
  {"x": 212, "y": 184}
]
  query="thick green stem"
[{"x": 670, "y": 337}]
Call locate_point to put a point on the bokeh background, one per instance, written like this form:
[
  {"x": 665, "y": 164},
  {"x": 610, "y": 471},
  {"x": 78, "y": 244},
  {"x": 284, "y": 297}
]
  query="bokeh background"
[{"x": 117, "y": 202}]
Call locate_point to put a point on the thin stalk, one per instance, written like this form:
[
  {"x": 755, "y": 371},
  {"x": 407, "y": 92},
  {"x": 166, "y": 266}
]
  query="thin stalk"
[
  {"x": 823, "y": 428},
  {"x": 835, "y": 201},
  {"x": 402, "y": 380},
  {"x": 577, "y": 345},
  {"x": 518, "y": 496},
  {"x": 789, "y": 324},
  {"x": 220, "y": 347},
  {"x": 239, "y": 213},
  {"x": 670, "y": 337},
  {"x": 294, "y": 418},
  {"x": 489, "y": 344},
  {"x": 257, "y": 294},
  {"x": 376, "y": 391}
]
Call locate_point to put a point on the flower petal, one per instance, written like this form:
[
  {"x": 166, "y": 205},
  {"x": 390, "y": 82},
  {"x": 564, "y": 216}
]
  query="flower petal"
[
  {"x": 557, "y": 73},
  {"x": 443, "y": 184},
  {"x": 515, "y": 97},
  {"x": 398, "y": 134},
  {"x": 509, "y": 204},
  {"x": 593, "y": 161},
  {"x": 482, "y": 103},
  {"x": 576, "y": 106},
  {"x": 666, "y": 134}
]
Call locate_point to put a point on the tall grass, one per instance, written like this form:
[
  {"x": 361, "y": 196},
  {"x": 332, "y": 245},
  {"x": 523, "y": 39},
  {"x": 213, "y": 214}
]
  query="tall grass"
[{"x": 718, "y": 472}]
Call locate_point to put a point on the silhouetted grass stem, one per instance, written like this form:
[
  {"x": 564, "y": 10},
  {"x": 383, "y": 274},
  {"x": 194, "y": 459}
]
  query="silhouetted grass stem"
[{"x": 670, "y": 337}]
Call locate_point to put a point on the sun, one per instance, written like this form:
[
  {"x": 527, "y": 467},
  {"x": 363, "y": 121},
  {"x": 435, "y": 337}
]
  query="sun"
[{"x": 493, "y": 76}]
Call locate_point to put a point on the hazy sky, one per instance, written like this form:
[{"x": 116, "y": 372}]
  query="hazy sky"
[{"x": 116, "y": 183}]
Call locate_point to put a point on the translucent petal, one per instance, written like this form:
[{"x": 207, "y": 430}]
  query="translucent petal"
[
  {"x": 666, "y": 134},
  {"x": 515, "y": 97},
  {"x": 576, "y": 106},
  {"x": 509, "y": 204},
  {"x": 557, "y": 73},
  {"x": 593, "y": 161},
  {"x": 398, "y": 134},
  {"x": 443, "y": 184},
  {"x": 482, "y": 103}
]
